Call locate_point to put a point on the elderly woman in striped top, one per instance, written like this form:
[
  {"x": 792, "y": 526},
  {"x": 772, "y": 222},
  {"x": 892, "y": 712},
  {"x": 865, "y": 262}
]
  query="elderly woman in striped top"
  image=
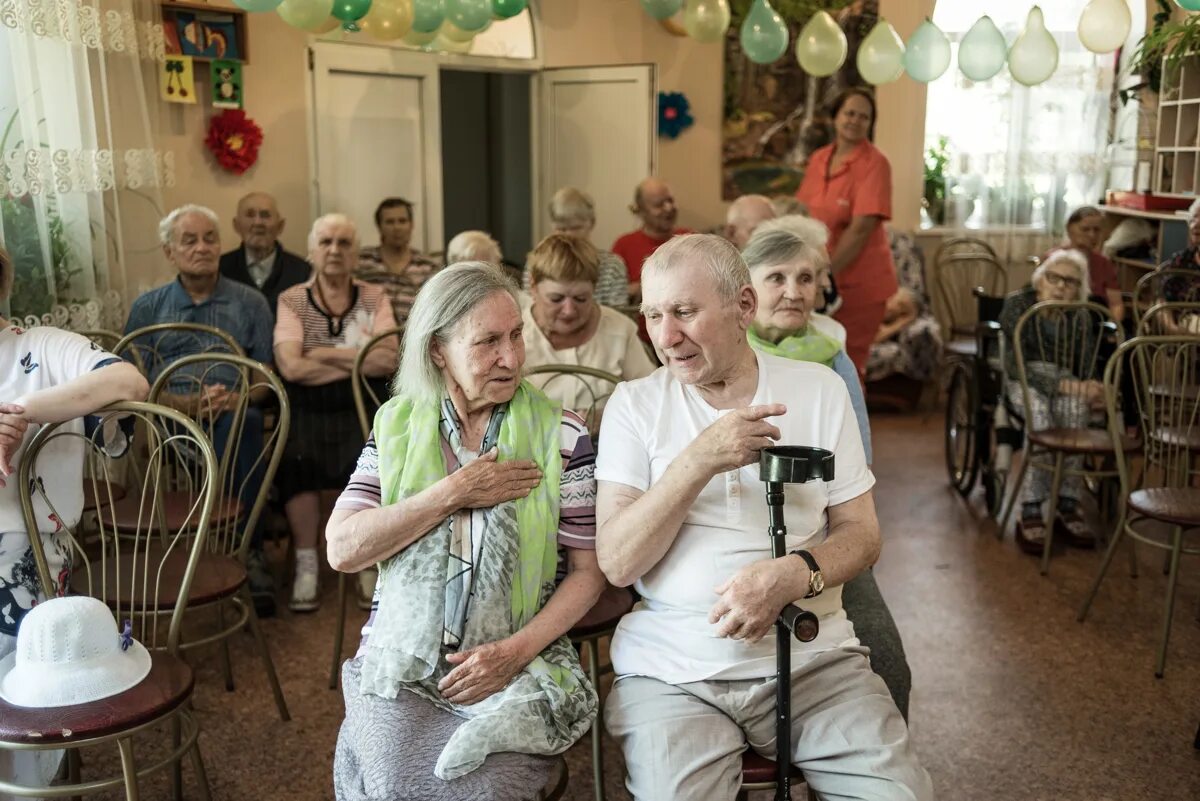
[
  {"x": 321, "y": 326},
  {"x": 471, "y": 483}
]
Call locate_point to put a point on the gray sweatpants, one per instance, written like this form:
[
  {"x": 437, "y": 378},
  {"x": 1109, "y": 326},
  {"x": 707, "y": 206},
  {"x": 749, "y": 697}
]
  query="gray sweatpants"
[{"x": 686, "y": 741}]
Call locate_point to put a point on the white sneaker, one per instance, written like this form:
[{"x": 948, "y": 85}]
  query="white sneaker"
[
  {"x": 305, "y": 591},
  {"x": 366, "y": 587}
]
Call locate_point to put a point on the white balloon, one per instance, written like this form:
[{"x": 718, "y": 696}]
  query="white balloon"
[
  {"x": 982, "y": 51},
  {"x": 1034, "y": 55},
  {"x": 881, "y": 55},
  {"x": 927, "y": 55},
  {"x": 1104, "y": 25}
]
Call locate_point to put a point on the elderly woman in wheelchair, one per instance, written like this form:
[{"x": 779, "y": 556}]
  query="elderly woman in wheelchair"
[{"x": 1053, "y": 366}]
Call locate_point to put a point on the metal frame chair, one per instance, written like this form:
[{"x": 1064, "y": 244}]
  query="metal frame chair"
[
  {"x": 590, "y": 413},
  {"x": 217, "y": 341},
  {"x": 224, "y": 586},
  {"x": 149, "y": 584},
  {"x": 957, "y": 278},
  {"x": 1146, "y": 324},
  {"x": 102, "y": 337},
  {"x": 364, "y": 394},
  {"x": 964, "y": 246},
  {"x": 1061, "y": 345},
  {"x": 1166, "y": 388},
  {"x": 1148, "y": 291}
]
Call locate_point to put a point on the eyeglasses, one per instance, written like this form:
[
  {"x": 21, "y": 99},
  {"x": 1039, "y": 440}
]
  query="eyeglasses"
[{"x": 1058, "y": 279}]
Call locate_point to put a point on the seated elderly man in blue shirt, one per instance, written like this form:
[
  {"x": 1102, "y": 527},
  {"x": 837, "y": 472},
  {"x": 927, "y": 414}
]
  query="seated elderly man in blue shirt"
[{"x": 191, "y": 243}]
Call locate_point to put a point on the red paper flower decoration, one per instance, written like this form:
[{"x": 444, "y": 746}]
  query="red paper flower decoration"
[{"x": 233, "y": 138}]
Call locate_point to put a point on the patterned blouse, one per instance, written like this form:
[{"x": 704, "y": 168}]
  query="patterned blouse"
[{"x": 401, "y": 287}]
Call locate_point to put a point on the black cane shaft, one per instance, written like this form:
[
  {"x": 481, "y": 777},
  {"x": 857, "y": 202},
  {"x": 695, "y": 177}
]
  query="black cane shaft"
[{"x": 783, "y": 714}]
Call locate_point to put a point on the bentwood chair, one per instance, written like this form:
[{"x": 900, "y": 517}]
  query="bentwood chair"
[
  {"x": 145, "y": 578},
  {"x": 964, "y": 246},
  {"x": 153, "y": 347},
  {"x": 369, "y": 394},
  {"x": 104, "y": 338},
  {"x": 248, "y": 456},
  {"x": 1154, "y": 320},
  {"x": 1152, "y": 288},
  {"x": 957, "y": 277},
  {"x": 1062, "y": 340},
  {"x": 1163, "y": 494},
  {"x": 592, "y": 388}
]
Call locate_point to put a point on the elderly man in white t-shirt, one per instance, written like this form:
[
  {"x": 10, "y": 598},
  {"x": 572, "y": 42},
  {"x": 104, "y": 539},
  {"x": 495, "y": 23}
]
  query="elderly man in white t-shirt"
[{"x": 682, "y": 516}]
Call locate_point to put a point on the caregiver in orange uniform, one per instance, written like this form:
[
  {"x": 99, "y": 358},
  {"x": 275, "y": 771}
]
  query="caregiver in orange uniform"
[{"x": 848, "y": 186}]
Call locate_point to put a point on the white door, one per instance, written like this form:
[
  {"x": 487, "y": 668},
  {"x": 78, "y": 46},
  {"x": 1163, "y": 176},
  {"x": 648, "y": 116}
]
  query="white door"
[
  {"x": 377, "y": 134},
  {"x": 597, "y": 131}
]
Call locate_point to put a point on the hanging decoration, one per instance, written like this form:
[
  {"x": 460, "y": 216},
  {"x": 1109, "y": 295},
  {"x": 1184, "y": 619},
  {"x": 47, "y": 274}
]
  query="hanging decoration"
[
  {"x": 927, "y": 55},
  {"x": 350, "y": 12},
  {"x": 388, "y": 19},
  {"x": 226, "y": 81},
  {"x": 674, "y": 114},
  {"x": 453, "y": 33},
  {"x": 1034, "y": 55},
  {"x": 821, "y": 45},
  {"x": 256, "y": 5},
  {"x": 1188, "y": 5},
  {"x": 706, "y": 20},
  {"x": 418, "y": 39},
  {"x": 445, "y": 44},
  {"x": 505, "y": 9},
  {"x": 881, "y": 55},
  {"x": 982, "y": 51},
  {"x": 662, "y": 9},
  {"x": 764, "y": 35},
  {"x": 307, "y": 15},
  {"x": 234, "y": 139},
  {"x": 428, "y": 15},
  {"x": 1104, "y": 25},
  {"x": 469, "y": 15},
  {"x": 176, "y": 81}
]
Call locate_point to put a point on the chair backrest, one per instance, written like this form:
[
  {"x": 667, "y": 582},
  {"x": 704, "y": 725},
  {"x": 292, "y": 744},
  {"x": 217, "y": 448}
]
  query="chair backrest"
[
  {"x": 964, "y": 246},
  {"x": 957, "y": 277},
  {"x": 1057, "y": 347},
  {"x": 248, "y": 454},
  {"x": 104, "y": 338},
  {"x": 133, "y": 571},
  {"x": 370, "y": 393},
  {"x": 1164, "y": 381},
  {"x": 591, "y": 388},
  {"x": 153, "y": 347},
  {"x": 1154, "y": 320},
  {"x": 1173, "y": 285}
]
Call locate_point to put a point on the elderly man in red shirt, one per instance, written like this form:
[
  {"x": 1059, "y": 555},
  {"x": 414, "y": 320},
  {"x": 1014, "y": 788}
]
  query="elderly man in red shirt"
[{"x": 654, "y": 203}]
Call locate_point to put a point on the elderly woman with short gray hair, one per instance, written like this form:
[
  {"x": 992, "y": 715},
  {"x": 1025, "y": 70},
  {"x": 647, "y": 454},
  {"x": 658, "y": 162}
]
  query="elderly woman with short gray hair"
[
  {"x": 471, "y": 483},
  {"x": 573, "y": 212}
]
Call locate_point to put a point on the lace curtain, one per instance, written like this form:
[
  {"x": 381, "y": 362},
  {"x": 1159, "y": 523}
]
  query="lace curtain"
[
  {"x": 80, "y": 176},
  {"x": 1018, "y": 159}
]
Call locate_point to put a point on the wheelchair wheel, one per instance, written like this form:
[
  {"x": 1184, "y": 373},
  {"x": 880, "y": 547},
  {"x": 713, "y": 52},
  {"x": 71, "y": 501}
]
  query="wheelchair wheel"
[
  {"x": 961, "y": 462},
  {"x": 993, "y": 491}
]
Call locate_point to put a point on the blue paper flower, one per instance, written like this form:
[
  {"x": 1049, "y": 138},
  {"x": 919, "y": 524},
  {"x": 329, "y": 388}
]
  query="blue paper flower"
[{"x": 673, "y": 116}]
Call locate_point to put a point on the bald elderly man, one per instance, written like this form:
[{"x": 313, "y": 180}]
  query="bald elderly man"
[
  {"x": 654, "y": 204},
  {"x": 745, "y": 215},
  {"x": 261, "y": 262}
]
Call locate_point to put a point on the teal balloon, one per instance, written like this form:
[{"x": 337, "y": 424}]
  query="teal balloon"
[
  {"x": 351, "y": 10},
  {"x": 257, "y": 5},
  {"x": 469, "y": 15},
  {"x": 661, "y": 9},
  {"x": 982, "y": 51},
  {"x": 428, "y": 15},
  {"x": 1188, "y": 5},
  {"x": 928, "y": 53},
  {"x": 764, "y": 36},
  {"x": 504, "y": 9}
]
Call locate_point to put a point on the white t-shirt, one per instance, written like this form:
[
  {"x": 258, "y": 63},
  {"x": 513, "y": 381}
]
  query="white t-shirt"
[
  {"x": 614, "y": 348},
  {"x": 45, "y": 357},
  {"x": 647, "y": 424}
]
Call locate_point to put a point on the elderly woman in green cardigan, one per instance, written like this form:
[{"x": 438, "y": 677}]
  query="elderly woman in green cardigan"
[{"x": 474, "y": 495}]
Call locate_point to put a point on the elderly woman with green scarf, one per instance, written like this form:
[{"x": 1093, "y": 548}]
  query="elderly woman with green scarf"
[{"x": 470, "y": 486}]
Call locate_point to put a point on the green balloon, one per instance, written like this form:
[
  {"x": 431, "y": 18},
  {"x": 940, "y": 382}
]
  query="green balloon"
[
  {"x": 351, "y": 10},
  {"x": 257, "y": 5},
  {"x": 305, "y": 14},
  {"x": 764, "y": 36},
  {"x": 504, "y": 9},
  {"x": 428, "y": 15},
  {"x": 661, "y": 9},
  {"x": 469, "y": 15}
]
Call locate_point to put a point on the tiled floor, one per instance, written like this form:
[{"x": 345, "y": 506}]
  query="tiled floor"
[{"x": 1012, "y": 699}]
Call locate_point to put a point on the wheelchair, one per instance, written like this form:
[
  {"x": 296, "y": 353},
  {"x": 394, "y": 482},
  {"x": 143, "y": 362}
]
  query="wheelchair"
[{"x": 982, "y": 430}]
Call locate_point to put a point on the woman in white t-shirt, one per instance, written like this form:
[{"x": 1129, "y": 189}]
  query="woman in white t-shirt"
[
  {"x": 565, "y": 325},
  {"x": 46, "y": 376}
]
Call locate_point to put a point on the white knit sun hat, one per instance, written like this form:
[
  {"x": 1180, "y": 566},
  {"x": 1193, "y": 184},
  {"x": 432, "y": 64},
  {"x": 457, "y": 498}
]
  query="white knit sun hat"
[{"x": 69, "y": 652}]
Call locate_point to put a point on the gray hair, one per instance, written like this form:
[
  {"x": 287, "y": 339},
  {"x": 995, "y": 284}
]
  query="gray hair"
[
  {"x": 473, "y": 246},
  {"x": 336, "y": 218},
  {"x": 1072, "y": 257},
  {"x": 750, "y": 207},
  {"x": 712, "y": 254},
  {"x": 1194, "y": 210},
  {"x": 571, "y": 205},
  {"x": 786, "y": 239},
  {"x": 443, "y": 302},
  {"x": 166, "y": 226}
]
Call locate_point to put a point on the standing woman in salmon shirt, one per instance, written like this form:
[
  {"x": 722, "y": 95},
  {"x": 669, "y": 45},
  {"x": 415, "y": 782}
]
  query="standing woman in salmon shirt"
[{"x": 848, "y": 186}]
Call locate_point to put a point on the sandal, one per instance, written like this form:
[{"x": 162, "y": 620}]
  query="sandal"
[
  {"x": 1031, "y": 535},
  {"x": 1074, "y": 530}
]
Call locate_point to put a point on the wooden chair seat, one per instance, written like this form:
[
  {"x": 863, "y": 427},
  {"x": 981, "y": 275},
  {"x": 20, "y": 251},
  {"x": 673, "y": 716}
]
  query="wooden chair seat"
[
  {"x": 91, "y": 503},
  {"x": 613, "y": 604},
  {"x": 130, "y": 513},
  {"x": 217, "y": 576},
  {"x": 1178, "y": 436},
  {"x": 757, "y": 769},
  {"x": 1080, "y": 440},
  {"x": 1184, "y": 393},
  {"x": 1178, "y": 505},
  {"x": 168, "y": 684}
]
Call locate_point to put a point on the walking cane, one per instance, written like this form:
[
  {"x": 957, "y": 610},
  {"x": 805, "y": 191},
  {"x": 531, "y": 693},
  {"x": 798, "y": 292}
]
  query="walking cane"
[{"x": 778, "y": 466}]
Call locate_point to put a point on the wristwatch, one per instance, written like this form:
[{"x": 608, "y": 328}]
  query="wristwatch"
[{"x": 816, "y": 579}]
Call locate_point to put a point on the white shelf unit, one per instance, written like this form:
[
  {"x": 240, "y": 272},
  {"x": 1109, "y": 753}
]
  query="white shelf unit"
[{"x": 1177, "y": 144}]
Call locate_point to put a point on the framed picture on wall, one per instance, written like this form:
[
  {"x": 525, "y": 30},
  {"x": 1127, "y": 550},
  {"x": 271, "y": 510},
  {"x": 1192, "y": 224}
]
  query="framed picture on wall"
[{"x": 205, "y": 33}]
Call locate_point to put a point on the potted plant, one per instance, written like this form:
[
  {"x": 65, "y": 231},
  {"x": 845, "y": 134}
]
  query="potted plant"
[{"x": 934, "y": 200}]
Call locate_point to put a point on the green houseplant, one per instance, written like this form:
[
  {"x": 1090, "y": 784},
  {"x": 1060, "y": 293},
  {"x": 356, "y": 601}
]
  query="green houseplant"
[{"x": 936, "y": 159}]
